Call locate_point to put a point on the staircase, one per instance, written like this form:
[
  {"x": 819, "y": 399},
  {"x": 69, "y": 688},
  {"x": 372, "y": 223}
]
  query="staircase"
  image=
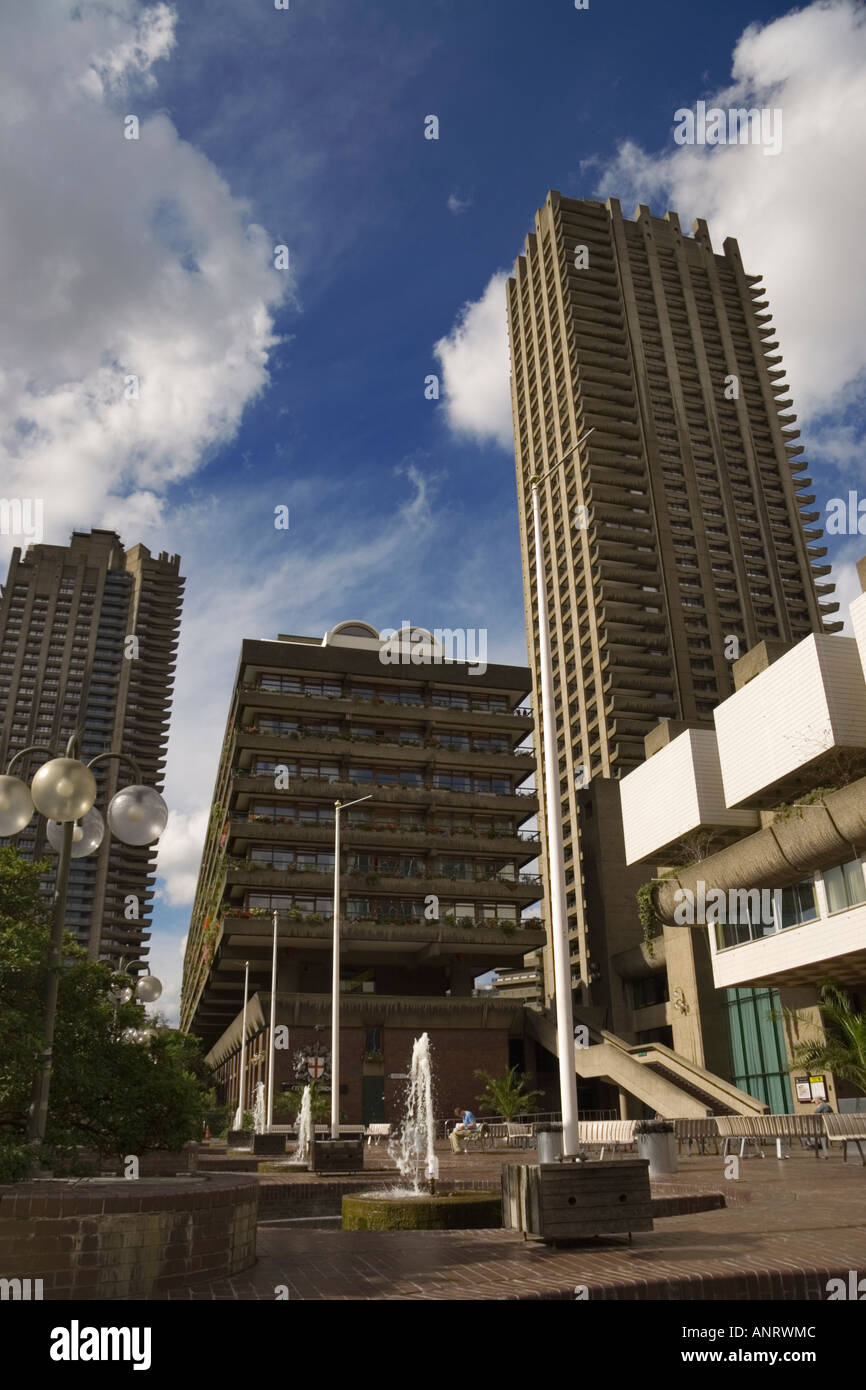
[{"x": 668, "y": 1083}]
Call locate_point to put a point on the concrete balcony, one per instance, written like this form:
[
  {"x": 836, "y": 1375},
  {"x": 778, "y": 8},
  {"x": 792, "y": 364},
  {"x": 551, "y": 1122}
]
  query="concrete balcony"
[
  {"x": 524, "y": 802},
  {"x": 788, "y": 728},
  {"x": 524, "y": 890},
  {"x": 384, "y": 837},
  {"x": 677, "y": 792},
  {"x": 516, "y": 722},
  {"x": 363, "y": 750}
]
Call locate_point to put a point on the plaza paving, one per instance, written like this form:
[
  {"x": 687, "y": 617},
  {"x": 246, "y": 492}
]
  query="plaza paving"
[{"x": 785, "y": 1228}]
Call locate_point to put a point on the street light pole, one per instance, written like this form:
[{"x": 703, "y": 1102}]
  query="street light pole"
[
  {"x": 335, "y": 971},
  {"x": 64, "y": 791},
  {"x": 239, "y": 1118},
  {"x": 270, "y": 1119},
  {"x": 37, "y": 1118},
  {"x": 555, "y": 858}
]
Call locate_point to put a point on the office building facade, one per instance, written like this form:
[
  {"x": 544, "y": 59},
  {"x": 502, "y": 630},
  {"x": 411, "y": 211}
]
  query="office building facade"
[{"x": 433, "y": 887}]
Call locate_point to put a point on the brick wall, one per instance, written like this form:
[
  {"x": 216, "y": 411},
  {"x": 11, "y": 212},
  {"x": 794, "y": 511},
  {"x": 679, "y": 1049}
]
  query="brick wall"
[
  {"x": 127, "y": 1240},
  {"x": 456, "y": 1054}
]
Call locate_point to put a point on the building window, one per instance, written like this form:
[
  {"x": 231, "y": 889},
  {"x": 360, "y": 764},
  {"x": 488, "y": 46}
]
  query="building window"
[
  {"x": 845, "y": 886},
  {"x": 798, "y": 904}
]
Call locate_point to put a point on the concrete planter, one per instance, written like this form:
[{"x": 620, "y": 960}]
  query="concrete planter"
[
  {"x": 660, "y": 1151},
  {"x": 562, "y": 1202},
  {"x": 338, "y": 1156}
]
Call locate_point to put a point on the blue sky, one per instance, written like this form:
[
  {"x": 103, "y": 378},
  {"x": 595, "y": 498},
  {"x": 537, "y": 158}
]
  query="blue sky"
[{"x": 305, "y": 387}]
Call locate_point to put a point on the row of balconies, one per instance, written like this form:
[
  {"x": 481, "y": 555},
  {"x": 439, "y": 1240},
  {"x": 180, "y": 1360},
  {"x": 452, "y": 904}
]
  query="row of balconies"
[
  {"x": 322, "y": 789},
  {"x": 509, "y": 720},
  {"x": 249, "y": 874},
  {"x": 416, "y": 836},
  {"x": 428, "y": 751}
]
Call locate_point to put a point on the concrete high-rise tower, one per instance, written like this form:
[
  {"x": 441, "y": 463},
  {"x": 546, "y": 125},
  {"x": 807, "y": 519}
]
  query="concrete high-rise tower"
[
  {"x": 681, "y": 534},
  {"x": 88, "y": 636}
]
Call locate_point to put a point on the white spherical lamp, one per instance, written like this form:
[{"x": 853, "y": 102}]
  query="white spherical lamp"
[
  {"x": 63, "y": 789},
  {"x": 16, "y": 805},
  {"x": 87, "y": 835},
  {"x": 148, "y": 989},
  {"x": 137, "y": 815}
]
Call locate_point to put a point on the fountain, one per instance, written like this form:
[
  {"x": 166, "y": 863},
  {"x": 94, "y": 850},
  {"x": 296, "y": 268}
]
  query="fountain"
[
  {"x": 259, "y": 1109},
  {"x": 418, "y": 1207},
  {"x": 414, "y": 1142},
  {"x": 305, "y": 1130}
]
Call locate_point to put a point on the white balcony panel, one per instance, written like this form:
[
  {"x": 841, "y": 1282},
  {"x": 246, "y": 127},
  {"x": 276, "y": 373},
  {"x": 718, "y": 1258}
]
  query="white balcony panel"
[
  {"x": 815, "y": 949},
  {"x": 808, "y": 703},
  {"x": 676, "y": 791},
  {"x": 858, "y": 626}
]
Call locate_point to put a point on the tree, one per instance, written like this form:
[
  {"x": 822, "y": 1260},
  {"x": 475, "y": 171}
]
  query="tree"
[
  {"x": 843, "y": 1050},
  {"x": 507, "y": 1095},
  {"x": 107, "y": 1093}
]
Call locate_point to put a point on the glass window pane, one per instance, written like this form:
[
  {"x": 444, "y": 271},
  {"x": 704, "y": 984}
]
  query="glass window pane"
[
  {"x": 854, "y": 882},
  {"x": 834, "y": 884}
]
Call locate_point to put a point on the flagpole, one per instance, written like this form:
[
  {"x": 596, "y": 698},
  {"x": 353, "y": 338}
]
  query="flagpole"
[{"x": 273, "y": 1024}]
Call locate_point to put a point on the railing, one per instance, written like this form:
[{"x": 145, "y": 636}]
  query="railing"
[
  {"x": 268, "y": 777},
  {"x": 372, "y": 876},
  {"x": 507, "y": 926},
  {"x": 531, "y": 837},
  {"x": 522, "y": 712},
  {"x": 533, "y": 1117},
  {"x": 383, "y": 741}
]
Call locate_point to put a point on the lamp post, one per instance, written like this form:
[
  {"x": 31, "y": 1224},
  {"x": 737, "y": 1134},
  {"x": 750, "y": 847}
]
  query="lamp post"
[
  {"x": 64, "y": 790},
  {"x": 239, "y": 1116},
  {"x": 335, "y": 971},
  {"x": 270, "y": 1118},
  {"x": 147, "y": 989},
  {"x": 553, "y": 825}
]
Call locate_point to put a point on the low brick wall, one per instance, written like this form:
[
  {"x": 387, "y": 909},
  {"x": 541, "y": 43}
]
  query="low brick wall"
[{"x": 127, "y": 1239}]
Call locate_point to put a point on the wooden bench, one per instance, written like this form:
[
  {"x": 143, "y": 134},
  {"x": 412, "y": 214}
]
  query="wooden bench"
[
  {"x": 377, "y": 1132},
  {"x": 697, "y": 1131},
  {"x": 519, "y": 1136},
  {"x": 609, "y": 1134},
  {"x": 845, "y": 1130},
  {"x": 754, "y": 1129},
  {"x": 476, "y": 1138}
]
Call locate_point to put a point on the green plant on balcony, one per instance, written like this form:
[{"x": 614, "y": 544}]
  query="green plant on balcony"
[
  {"x": 508, "y": 928},
  {"x": 315, "y": 919},
  {"x": 294, "y": 914},
  {"x": 466, "y": 922}
]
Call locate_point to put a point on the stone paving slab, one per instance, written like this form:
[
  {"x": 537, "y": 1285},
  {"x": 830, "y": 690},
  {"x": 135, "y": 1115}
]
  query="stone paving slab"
[{"x": 788, "y": 1226}]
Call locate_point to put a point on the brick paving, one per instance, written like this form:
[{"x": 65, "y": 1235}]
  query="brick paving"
[{"x": 786, "y": 1228}]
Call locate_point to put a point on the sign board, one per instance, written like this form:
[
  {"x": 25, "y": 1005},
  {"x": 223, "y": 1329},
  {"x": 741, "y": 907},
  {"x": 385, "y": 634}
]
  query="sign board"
[
  {"x": 819, "y": 1090},
  {"x": 804, "y": 1090},
  {"x": 398, "y": 1076}
]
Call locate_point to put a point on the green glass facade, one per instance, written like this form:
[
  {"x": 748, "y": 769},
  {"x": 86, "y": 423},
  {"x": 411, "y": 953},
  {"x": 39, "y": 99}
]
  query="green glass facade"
[{"x": 758, "y": 1056}]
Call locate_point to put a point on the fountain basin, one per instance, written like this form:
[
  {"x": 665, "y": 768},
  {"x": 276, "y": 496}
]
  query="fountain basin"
[{"x": 450, "y": 1211}]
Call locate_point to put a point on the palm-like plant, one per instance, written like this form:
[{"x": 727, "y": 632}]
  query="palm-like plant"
[
  {"x": 843, "y": 1050},
  {"x": 507, "y": 1095}
]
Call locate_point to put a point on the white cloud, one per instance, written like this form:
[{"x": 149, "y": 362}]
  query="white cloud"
[
  {"x": 456, "y": 204},
  {"x": 798, "y": 217},
  {"x": 119, "y": 258},
  {"x": 474, "y": 363},
  {"x": 166, "y": 963},
  {"x": 180, "y": 850}
]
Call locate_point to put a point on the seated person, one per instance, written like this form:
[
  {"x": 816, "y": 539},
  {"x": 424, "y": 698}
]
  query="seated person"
[{"x": 467, "y": 1124}]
